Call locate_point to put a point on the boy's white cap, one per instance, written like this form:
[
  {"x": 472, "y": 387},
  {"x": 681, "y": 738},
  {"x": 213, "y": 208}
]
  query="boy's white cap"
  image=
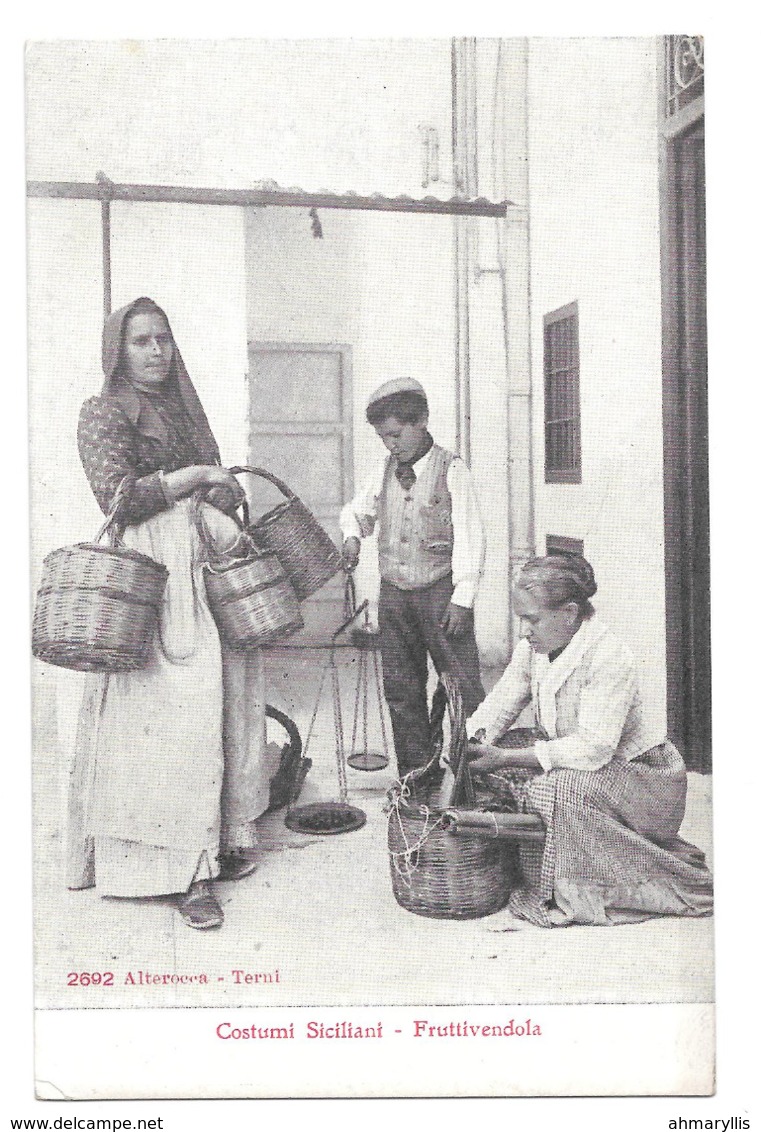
[{"x": 397, "y": 385}]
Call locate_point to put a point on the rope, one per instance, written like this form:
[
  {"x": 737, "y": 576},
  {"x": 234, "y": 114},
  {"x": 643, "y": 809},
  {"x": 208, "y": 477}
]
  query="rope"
[
  {"x": 379, "y": 692},
  {"x": 355, "y": 724},
  {"x": 340, "y": 761},
  {"x": 410, "y": 855},
  {"x": 312, "y": 723},
  {"x": 332, "y": 667}
]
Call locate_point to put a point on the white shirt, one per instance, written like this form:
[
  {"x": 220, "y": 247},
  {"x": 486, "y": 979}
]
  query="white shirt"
[
  {"x": 586, "y": 700},
  {"x": 359, "y": 516}
]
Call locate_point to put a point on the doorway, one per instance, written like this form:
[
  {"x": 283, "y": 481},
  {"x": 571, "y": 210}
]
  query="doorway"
[
  {"x": 685, "y": 419},
  {"x": 300, "y": 429}
]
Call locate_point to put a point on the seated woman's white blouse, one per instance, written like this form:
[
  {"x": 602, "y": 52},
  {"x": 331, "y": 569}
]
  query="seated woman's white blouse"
[{"x": 587, "y": 701}]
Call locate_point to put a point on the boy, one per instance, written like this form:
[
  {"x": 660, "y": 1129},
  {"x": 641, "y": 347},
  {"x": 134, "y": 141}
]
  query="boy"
[{"x": 431, "y": 551}]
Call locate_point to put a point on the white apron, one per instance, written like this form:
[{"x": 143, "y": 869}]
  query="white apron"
[{"x": 170, "y": 760}]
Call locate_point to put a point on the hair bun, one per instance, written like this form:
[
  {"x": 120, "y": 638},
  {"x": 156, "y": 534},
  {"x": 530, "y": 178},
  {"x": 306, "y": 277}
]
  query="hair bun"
[
  {"x": 586, "y": 576},
  {"x": 568, "y": 575},
  {"x": 578, "y": 567}
]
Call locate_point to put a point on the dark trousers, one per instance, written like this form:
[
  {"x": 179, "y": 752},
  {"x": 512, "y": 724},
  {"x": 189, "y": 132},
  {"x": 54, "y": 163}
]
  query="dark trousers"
[{"x": 410, "y": 631}]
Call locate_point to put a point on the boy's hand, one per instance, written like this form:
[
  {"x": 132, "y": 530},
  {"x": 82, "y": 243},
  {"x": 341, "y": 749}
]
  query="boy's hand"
[
  {"x": 456, "y": 620},
  {"x": 350, "y": 553}
]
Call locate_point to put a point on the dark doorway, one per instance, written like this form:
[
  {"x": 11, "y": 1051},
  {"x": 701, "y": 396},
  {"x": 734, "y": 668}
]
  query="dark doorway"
[{"x": 685, "y": 418}]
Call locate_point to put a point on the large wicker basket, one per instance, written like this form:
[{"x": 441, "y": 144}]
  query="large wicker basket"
[
  {"x": 251, "y": 597},
  {"x": 291, "y": 531},
  {"x": 435, "y": 871},
  {"x": 445, "y": 875},
  {"x": 97, "y": 606}
]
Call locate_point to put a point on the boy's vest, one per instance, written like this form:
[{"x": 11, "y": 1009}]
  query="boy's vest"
[{"x": 415, "y": 534}]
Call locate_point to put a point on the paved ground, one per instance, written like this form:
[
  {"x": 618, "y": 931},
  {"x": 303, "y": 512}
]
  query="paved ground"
[{"x": 318, "y": 922}]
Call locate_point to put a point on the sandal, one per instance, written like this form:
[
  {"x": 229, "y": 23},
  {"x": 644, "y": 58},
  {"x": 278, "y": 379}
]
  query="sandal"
[{"x": 199, "y": 907}]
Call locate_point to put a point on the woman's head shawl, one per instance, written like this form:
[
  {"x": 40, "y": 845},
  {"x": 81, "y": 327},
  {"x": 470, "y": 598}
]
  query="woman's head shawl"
[{"x": 137, "y": 405}]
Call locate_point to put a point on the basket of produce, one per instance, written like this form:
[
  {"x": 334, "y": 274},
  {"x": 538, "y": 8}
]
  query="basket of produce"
[
  {"x": 437, "y": 869},
  {"x": 250, "y": 595},
  {"x": 97, "y": 605},
  {"x": 291, "y": 531}
]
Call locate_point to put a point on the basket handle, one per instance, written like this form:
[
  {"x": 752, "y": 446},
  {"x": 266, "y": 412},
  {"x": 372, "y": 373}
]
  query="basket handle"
[
  {"x": 265, "y": 475},
  {"x": 112, "y": 525},
  {"x": 448, "y": 696}
]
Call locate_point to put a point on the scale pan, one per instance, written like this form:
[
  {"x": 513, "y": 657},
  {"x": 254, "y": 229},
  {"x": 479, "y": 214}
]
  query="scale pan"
[
  {"x": 367, "y": 760},
  {"x": 325, "y": 818}
]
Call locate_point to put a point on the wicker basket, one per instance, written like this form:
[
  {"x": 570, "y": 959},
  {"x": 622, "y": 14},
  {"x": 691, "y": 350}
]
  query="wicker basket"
[
  {"x": 435, "y": 871},
  {"x": 454, "y": 876},
  {"x": 97, "y": 606},
  {"x": 251, "y": 597},
  {"x": 291, "y": 532}
]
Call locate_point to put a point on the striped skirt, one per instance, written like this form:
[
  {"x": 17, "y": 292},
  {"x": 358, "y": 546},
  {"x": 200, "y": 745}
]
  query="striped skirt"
[{"x": 612, "y": 852}]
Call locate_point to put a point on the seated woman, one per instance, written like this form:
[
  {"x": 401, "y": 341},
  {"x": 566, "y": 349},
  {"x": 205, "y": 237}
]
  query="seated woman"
[{"x": 610, "y": 792}]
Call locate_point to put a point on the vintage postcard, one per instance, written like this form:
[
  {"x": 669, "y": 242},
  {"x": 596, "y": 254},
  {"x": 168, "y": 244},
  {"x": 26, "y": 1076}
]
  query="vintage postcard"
[{"x": 370, "y": 568}]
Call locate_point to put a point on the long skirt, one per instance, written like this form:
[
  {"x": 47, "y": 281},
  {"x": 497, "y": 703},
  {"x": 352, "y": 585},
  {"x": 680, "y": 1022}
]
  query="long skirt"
[
  {"x": 170, "y": 766},
  {"x": 612, "y": 852}
]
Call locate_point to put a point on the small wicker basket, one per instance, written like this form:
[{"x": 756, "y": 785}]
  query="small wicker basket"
[
  {"x": 97, "y": 606},
  {"x": 251, "y": 597},
  {"x": 291, "y": 531},
  {"x": 435, "y": 871}
]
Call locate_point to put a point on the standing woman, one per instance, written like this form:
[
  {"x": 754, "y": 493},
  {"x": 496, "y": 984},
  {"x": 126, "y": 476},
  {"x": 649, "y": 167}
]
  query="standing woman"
[
  {"x": 611, "y": 793},
  {"x": 168, "y": 777}
]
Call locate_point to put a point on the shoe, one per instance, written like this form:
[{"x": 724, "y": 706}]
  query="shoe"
[
  {"x": 235, "y": 866},
  {"x": 199, "y": 907}
]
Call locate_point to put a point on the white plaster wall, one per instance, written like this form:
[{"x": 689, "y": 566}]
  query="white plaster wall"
[
  {"x": 190, "y": 260},
  {"x": 65, "y": 304},
  {"x": 593, "y": 164},
  {"x": 338, "y": 114},
  {"x": 380, "y": 283},
  {"x": 324, "y": 114}
]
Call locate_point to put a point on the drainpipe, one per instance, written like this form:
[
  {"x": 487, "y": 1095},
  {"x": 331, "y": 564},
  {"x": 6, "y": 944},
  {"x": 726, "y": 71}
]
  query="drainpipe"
[
  {"x": 465, "y": 172},
  {"x": 513, "y": 250}
]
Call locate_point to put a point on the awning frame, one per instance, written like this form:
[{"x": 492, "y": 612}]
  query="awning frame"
[{"x": 106, "y": 191}]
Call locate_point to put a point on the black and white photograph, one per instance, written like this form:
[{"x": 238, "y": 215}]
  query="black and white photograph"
[{"x": 372, "y": 744}]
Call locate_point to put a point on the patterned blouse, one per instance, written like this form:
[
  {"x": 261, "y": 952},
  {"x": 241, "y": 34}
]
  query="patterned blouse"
[{"x": 111, "y": 447}]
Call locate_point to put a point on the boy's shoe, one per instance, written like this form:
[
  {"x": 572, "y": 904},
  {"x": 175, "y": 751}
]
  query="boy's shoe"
[{"x": 199, "y": 906}]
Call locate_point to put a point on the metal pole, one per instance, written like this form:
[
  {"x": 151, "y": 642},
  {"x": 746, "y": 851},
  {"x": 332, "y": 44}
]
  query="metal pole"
[{"x": 105, "y": 224}]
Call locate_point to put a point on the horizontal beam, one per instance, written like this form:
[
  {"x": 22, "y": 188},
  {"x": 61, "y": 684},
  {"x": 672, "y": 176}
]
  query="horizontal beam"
[{"x": 245, "y": 198}]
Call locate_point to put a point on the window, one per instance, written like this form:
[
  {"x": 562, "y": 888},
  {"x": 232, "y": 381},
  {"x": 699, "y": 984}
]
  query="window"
[
  {"x": 684, "y": 71},
  {"x": 562, "y": 422},
  {"x": 564, "y": 545}
]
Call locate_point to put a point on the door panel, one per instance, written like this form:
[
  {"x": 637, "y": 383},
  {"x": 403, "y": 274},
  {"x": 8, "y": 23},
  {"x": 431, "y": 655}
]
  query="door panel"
[
  {"x": 685, "y": 416},
  {"x": 304, "y": 386},
  {"x": 309, "y": 463},
  {"x": 300, "y": 417}
]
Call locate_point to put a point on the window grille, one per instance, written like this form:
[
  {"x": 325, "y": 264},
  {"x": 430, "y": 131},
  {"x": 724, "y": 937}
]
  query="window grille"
[
  {"x": 684, "y": 71},
  {"x": 564, "y": 544},
  {"x": 562, "y": 421}
]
